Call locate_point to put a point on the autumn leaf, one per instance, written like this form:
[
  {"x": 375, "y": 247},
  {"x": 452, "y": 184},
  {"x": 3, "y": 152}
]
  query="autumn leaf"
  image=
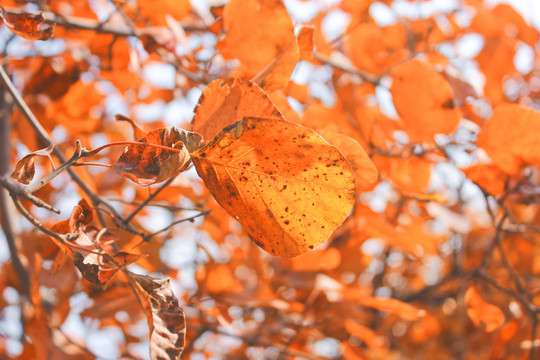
[
  {"x": 288, "y": 187},
  {"x": 276, "y": 74},
  {"x": 518, "y": 128},
  {"x": 166, "y": 319},
  {"x": 147, "y": 165},
  {"x": 373, "y": 48},
  {"x": 399, "y": 308},
  {"x": 224, "y": 102},
  {"x": 480, "y": 311},
  {"x": 424, "y": 100},
  {"x": 256, "y": 32},
  {"x": 317, "y": 260},
  {"x": 86, "y": 249},
  {"x": 25, "y": 169},
  {"x": 29, "y": 26}
]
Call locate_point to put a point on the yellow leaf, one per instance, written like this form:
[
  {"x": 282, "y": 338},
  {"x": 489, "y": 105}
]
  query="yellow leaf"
[{"x": 288, "y": 187}]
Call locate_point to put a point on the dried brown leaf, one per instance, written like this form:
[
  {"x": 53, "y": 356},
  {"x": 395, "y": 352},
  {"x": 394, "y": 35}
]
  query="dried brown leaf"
[
  {"x": 166, "y": 319},
  {"x": 147, "y": 165},
  {"x": 29, "y": 26},
  {"x": 25, "y": 169}
]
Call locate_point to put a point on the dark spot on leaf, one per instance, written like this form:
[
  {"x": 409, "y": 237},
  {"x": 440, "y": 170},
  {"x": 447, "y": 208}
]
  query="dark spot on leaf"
[{"x": 449, "y": 104}]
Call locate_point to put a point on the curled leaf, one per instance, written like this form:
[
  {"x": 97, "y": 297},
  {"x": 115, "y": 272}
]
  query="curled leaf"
[
  {"x": 147, "y": 165},
  {"x": 225, "y": 101},
  {"x": 166, "y": 319},
  {"x": 86, "y": 249},
  {"x": 29, "y": 26},
  {"x": 25, "y": 169},
  {"x": 286, "y": 185}
]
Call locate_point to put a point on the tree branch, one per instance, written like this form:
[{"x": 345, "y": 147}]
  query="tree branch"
[{"x": 7, "y": 212}]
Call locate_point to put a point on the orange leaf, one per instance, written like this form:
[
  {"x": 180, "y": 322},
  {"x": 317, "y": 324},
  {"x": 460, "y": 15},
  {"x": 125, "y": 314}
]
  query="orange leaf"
[
  {"x": 424, "y": 100},
  {"x": 165, "y": 317},
  {"x": 256, "y": 32},
  {"x": 363, "y": 333},
  {"x": 25, "y": 170},
  {"x": 480, "y": 311},
  {"x": 399, "y": 308},
  {"x": 220, "y": 279},
  {"x": 29, "y": 26},
  {"x": 276, "y": 75},
  {"x": 365, "y": 172},
  {"x": 374, "y": 48},
  {"x": 510, "y": 137},
  {"x": 288, "y": 187},
  {"x": 304, "y": 39},
  {"x": 224, "y": 102},
  {"x": 318, "y": 260},
  {"x": 489, "y": 177},
  {"x": 147, "y": 165},
  {"x": 178, "y": 9}
]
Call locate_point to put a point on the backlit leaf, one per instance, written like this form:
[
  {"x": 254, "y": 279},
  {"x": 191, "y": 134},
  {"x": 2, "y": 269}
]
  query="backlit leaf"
[
  {"x": 224, "y": 102},
  {"x": 424, "y": 100},
  {"x": 480, "y": 311},
  {"x": 517, "y": 128},
  {"x": 256, "y": 32},
  {"x": 29, "y": 26},
  {"x": 147, "y": 165},
  {"x": 166, "y": 319},
  {"x": 399, "y": 308},
  {"x": 276, "y": 75},
  {"x": 288, "y": 187},
  {"x": 25, "y": 170}
]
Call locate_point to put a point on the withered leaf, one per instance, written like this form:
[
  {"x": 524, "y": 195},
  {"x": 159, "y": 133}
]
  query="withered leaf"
[
  {"x": 86, "y": 250},
  {"x": 29, "y": 26},
  {"x": 25, "y": 169},
  {"x": 166, "y": 319},
  {"x": 147, "y": 165},
  {"x": 285, "y": 184}
]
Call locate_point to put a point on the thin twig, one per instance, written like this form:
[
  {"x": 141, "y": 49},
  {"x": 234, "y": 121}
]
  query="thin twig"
[
  {"x": 150, "y": 198},
  {"x": 7, "y": 212},
  {"x": 362, "y": 75},
  {"x": 15, "y": 190},
  {"x": 191, "y": 218}
]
